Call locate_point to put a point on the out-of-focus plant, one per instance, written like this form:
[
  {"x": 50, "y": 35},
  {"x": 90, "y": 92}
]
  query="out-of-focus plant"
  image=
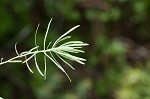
[
  {"x": 134, "y": 84},
  {"x": 62, "y": 51}
]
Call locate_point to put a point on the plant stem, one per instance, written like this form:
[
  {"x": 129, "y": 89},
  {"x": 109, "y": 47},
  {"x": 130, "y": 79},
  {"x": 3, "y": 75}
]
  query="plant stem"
[{"x": 26, "y": 54}]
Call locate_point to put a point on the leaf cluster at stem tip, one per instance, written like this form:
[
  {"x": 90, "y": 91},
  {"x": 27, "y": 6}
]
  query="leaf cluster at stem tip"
[{"x": 63, "y": 51}]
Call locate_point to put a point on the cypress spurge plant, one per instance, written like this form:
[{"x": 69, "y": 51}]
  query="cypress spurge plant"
[{"x": 62, "y": 51}]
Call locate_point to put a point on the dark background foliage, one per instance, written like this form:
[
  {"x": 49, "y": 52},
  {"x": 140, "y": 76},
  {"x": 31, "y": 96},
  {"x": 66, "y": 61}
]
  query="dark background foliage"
[{"x": 118, "y": 57}]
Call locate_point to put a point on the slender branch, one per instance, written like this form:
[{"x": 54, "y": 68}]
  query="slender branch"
[{"x": 63, "y": 51}]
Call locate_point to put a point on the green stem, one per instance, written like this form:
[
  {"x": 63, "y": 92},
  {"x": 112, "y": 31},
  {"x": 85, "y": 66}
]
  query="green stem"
[{"x": 26, "y": 54}]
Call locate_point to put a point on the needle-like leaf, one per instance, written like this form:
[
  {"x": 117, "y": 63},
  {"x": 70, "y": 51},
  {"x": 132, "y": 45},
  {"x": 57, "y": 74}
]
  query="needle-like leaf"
[{"x": 62, "y": 51}]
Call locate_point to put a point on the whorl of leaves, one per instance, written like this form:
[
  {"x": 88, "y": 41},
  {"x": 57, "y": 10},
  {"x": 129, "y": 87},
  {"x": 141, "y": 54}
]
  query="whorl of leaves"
[{"x": 63, "y": 51}]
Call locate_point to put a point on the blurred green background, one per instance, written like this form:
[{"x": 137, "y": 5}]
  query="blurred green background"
[{"x": 118, "y": 57}]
